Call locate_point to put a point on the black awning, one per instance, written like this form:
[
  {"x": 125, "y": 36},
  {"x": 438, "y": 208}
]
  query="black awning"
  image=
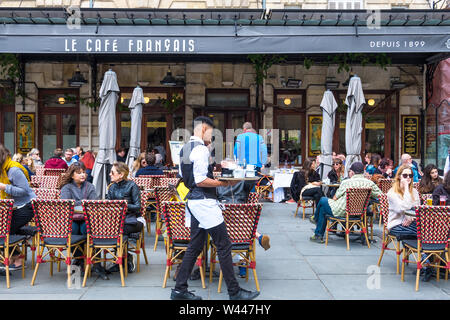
[{"x": 224, "y": 32}]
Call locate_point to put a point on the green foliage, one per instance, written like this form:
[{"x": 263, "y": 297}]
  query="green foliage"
[
  {"x": 171, "y": 103},
  {"x": 346, "y": 60},
  {"x": 9, "y": 71},
  {"x": 262, "y": 63}
]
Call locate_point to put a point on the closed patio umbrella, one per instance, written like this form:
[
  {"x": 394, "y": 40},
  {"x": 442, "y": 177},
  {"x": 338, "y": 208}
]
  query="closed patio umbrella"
[
  {"x": 353, "y": 125},
  {"x": 109, "y": 93},
  {"x": 137, "y": 99},
  {"x": 328, "y": 106}
]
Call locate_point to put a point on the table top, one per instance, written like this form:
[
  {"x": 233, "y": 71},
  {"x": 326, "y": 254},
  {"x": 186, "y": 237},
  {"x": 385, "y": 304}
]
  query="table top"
[{"x": 238, "y": 179}]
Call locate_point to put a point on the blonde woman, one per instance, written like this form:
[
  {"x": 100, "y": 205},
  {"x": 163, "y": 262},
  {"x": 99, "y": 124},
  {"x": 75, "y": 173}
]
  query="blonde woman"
[
  {"x": 402, "y": 196},
  {"x": 139, "y": 163},
  {"x": 18, "y": 157}
]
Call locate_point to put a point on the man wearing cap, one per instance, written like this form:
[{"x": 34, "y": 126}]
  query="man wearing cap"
[{"x": 336, "y": 206}]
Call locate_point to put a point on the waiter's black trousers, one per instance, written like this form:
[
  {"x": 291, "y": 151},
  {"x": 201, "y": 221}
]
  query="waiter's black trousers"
[{"x": 198, "y": 239}]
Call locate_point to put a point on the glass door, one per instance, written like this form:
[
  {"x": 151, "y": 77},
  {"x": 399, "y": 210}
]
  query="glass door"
[{"x": 58, "y": 120}]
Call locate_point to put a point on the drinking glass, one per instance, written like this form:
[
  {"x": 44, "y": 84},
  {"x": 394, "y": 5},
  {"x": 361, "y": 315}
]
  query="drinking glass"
[{"x": 442, "y": 200}]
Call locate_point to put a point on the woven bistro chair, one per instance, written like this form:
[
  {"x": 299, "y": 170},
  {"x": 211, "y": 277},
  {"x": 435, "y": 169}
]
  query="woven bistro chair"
[
  {"x": 178, "y": 236},
  {"x": 47, "y": 182},
  {"x": 305, "y": 202},
  {"x": 39, "y": 170},
  {"x": 104, "y": 224},
  {"x": 355, "y": 215},
  {"x": 253, "y": 197},
  {"x": 54, "y": 172},
  {"x": 54, "y": 222},
  {"x": 265, "y": 189},
  {"x": 47, "y": 193},
  {"x": 385, "y": 184},
  {"x": 388, "y": 238},
  {"x": 161, "y": 194},
  {"x": 433, "y": 226},
  {"x": 9, "y": 244},
  {"x": 170, "y": 173},
  {"x": 139, "y": 237},
  {"x": 241, "y": 220}
]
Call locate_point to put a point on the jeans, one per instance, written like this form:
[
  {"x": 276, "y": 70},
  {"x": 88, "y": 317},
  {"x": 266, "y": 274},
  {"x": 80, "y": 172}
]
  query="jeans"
[
  {"x": 198, "y": 239},
  {"x": 79, "y": 227},
  {"x": 316, "y": 193},
  {"x": 322, "y": 211},
  {"x": 21, "y": 217},
  {"x": 403, "y": 233}
]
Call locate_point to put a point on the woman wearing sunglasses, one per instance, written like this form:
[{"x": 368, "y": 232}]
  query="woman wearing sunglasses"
[
  {"x": 336, "y": 175},
  {"x": 402, "y": 196}
]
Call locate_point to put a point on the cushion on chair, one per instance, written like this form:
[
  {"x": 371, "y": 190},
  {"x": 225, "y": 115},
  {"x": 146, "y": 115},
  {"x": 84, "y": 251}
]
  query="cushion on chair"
[
  {"x": 307, "y": 198},
  {"x": 240, "y": 246},
  {"x": 134, "y": 236},
  {"x": 63, "y": 241},
  {"x": 108, "y": 242},
  {"x": 12, "y": 239},
  {"x": 427, "y": 247},
  {"x": 27, "y": 231}
]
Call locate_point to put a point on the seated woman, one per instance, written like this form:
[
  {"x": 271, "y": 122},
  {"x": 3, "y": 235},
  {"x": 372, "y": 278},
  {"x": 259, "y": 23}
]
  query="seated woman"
[
  {"x": 442, "y": 190},
  {"x": 372, "y": 168},
  {"x": 402, "y": 196},
  {"x": 14, "y": 184},
  {"x": 74, "y": 185},
  {"x": 18, "y": 157},
  {"x": 139, "y": 163},
  {"x": 123, "y": 189},
  {"x": 336, "y": 175},
  {"x": 308, "y": 178},
  {"x": 386, "y": 167},
  {"x": 430, "y": 179}
]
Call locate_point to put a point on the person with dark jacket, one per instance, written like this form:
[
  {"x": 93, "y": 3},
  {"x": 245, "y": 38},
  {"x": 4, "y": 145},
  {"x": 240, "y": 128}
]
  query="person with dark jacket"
[
  {"x": 56, "y": 162},
  {"x": 442, "y": 190},
  {"x": 306, "y": 176},
  {"x": 430, "y": 180},
  {"x": 121, "y": 155},
  {"x": 150, "y": 169},
  {"x": 123, "y": 189},
  {"x": 336, "y": 175}
]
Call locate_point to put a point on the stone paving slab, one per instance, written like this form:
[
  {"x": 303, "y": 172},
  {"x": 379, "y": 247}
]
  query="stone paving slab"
[{"x": 294, "y": 268}]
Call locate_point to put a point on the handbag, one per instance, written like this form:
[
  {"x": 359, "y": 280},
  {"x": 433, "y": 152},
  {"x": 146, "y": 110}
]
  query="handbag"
[{"x": 78, "y": 216}]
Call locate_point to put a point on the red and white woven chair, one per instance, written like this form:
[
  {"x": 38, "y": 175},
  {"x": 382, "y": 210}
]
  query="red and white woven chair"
[
  {"x": 162, "y": 194},
  {"x": 54, "y": 172},
  {"x": 47, "y": 182},
  {"x": 355, "y": 215},
  {"x": 9, "y": 244},
  {"x": 253, "y": 197},
  {"x": 433, "y": 226},
  {"x": 47, "y": 194},
  {"x": 178, "y": 237},
  {"x": 104, "y": 225},
  {"x": 54, "y": 222},
  {"x": 242, "y": 222},
  {"x": 387, "y": 237},
  {"x": 385, "y": 184},
  {"x": 39, "y": 170},
  {"x": 139, "y": 238}
]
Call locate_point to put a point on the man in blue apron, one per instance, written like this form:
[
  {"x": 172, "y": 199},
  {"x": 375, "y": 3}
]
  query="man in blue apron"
[{"x": 204, "y": 215}]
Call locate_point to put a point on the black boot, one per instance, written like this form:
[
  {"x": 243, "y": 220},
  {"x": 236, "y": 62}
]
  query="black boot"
[{"x": 243, "y": 294}]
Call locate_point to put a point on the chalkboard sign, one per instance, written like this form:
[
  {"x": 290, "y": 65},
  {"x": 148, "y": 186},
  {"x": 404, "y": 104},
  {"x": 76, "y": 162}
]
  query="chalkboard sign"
[{"x": 410, "y": 135}]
